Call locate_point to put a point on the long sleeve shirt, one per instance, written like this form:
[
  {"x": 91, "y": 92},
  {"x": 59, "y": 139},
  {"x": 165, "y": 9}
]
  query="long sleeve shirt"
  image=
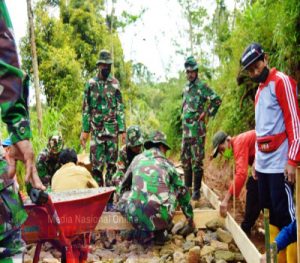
[
  {"x": 277, "y": 111},
  {"x": 244, "y": 154}
]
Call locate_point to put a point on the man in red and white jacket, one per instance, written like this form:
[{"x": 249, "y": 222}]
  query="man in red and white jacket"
[
  {"x": 242, "y": 148},
  {"x": 278, "y": 136}
]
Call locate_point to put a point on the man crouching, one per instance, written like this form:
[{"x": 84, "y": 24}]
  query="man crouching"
[{"x": 154, "y": 190}]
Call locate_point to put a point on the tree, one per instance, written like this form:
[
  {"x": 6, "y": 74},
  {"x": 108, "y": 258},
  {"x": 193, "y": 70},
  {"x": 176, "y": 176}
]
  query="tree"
[{"x": 35, "y": 65}]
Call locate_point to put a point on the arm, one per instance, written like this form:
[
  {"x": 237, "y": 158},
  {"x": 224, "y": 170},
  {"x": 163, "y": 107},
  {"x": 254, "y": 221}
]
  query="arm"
[
  {"x": 287, "y": 98},
  {"x": 127, "y": 181},
  {"x": 42, "y": 169},
  {"x": 286, "y": 236},
  {"x": 120, "y": 112},
  {"x": 121, "y": 169},
  {"x": 86, "y": 117},
  {"x": 215, "y": 101},
  {"x": 182, "y": 194},
  {"x": 16, "y": 117}
]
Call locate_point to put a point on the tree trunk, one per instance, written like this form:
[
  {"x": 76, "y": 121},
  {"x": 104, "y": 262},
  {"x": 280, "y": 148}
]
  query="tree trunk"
[
  {"x": 34, "y": 65},
  {"x": 190, "y": 27}
]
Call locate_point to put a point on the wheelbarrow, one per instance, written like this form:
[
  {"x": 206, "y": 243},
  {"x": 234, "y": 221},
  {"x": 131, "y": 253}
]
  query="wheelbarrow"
[{"x": 64, "y": 219}]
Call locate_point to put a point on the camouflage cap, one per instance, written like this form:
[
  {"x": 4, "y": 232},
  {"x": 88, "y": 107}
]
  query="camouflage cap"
[
  {"x": 55, "y": 143},
  {"x": 134, "y": 136},
  {"x": 218, "y": 139},
  {"x": 191, "y": 63},
  {"x": 156, "y": 137},
  {"x": 104, "y": 57}
]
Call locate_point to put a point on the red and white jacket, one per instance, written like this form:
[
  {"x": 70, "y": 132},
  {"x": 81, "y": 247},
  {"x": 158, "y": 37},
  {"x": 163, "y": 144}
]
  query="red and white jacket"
[
  {"x": 277, "y": 111},
  {"x": 243, "y": 146}
]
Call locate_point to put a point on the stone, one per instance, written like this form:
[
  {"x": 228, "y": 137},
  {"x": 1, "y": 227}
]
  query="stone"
[
  {"x": 215, "y": 223},
  {"x": 194, "y": 255},
  {"x": 45, "y": 255},
  {"x": 224, "y": 235},
  {"x": 207, "y": 250},
  {"x": 219, "y": 245},
  {"x": 233, "y": 248},
  {"x": 92, "y": 258},
  {"x": 51, "y": 260},
  {"x": 179, "y": 257},
  {"x": 190, "y": 237},
  {"x": 167, "y": 250},
  {"x": 188, "y": 245},
  {"x": 178, "y": 242},
  {"x": 221, "y": 261},
  {"x": 27, "y": 259},
  {"x": 225, "y": 255},
  {"x": 56, "y": 253},
  {"x": 238, "y": 257},
  {"x": 209, "y": 236},
  {"x": 178, "y": 226},
  {"x": 31, "y": 250},
  {"x": 198, "y": 241}
]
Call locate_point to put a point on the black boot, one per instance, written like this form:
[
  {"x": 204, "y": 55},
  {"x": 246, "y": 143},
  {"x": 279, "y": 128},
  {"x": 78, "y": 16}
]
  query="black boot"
[
  {"x": 197, "y": 185},
  {"x": 188, "y": 176}
]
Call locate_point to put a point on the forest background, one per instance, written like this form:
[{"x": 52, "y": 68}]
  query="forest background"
[{"x": 68, "y": 45}]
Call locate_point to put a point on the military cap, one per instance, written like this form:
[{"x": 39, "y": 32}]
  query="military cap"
[
  {"x": 134, "y": 136},
  {"x": 218, "y": 139},
  {"x": 252, "y": 53},
  {"x": 55, "y": 142},
  {"x": 191, "y": 63},
  {"x": 156, "y": 137},
  {"x": 104, "y": 57}
]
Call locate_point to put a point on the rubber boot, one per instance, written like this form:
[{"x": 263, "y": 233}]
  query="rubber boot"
[
  {"x": 291, "y": 253},
  {"x": 188, "y": 176},
  {"x": 197, "y": 185},
  {"x": 281, "y": 256}
]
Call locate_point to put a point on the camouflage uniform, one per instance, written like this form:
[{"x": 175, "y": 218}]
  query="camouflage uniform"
[
  {"x": 195, "y": 97},
  {"x": 126, "y": 155},
  {"x": 47, "y": 161},
  {"x": 15, "y": 115},
  {"x": 155, "y": 190},
  {"x": 103, "y": 116}
]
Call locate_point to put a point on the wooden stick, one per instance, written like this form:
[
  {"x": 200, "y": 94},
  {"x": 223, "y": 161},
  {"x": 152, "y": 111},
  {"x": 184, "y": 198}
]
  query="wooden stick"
[
  {"x": 115, "y": 221},
  {"x": 267, "y": 235}
]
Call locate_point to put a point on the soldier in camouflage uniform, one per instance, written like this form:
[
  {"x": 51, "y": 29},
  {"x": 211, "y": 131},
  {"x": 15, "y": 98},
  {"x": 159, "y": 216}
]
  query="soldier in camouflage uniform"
[
  {"x": 195, "y": 113},
  {"x": 15, "y": 115},
  {"x": 103, "y": 117},
  {"x": 133, "y": 147},
  {"x": 47, "y": 161},
  {"x": 155, "y": 190}
]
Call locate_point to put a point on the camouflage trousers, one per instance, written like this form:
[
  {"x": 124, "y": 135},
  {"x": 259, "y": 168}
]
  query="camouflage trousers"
[
  {"x": 145, "y": 216},
  {"x": 12, "y": 216},
  {"x": 192, "y": 155},
  {"x": 103, "y": 152}
]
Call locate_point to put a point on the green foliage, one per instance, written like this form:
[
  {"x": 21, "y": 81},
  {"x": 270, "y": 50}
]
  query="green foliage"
[{"x": 274, "y": 24}]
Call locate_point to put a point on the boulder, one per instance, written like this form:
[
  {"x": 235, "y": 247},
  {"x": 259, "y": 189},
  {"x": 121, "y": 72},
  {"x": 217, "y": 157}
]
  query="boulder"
[{"x": 224, "y": 235}]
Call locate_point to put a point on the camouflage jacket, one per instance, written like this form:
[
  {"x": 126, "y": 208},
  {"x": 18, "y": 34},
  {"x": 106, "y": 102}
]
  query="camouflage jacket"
[
  {"x": 152, "y": 178},
  {"x": 46, "y": 165},
  {"x": 195, "y": 97},
  {"x": 16, "y": 118},
  {"x": 103, "y": 109}
]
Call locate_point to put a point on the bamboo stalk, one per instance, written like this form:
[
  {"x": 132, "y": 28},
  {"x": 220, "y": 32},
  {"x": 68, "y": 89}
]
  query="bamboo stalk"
[
  {"x": 274, "y": 252},
  {"x": 267, "y": 235}
]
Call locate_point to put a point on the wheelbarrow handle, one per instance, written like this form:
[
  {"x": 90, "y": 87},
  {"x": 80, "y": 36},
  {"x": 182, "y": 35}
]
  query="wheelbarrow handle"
[{"x": 38, "y": 196}]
